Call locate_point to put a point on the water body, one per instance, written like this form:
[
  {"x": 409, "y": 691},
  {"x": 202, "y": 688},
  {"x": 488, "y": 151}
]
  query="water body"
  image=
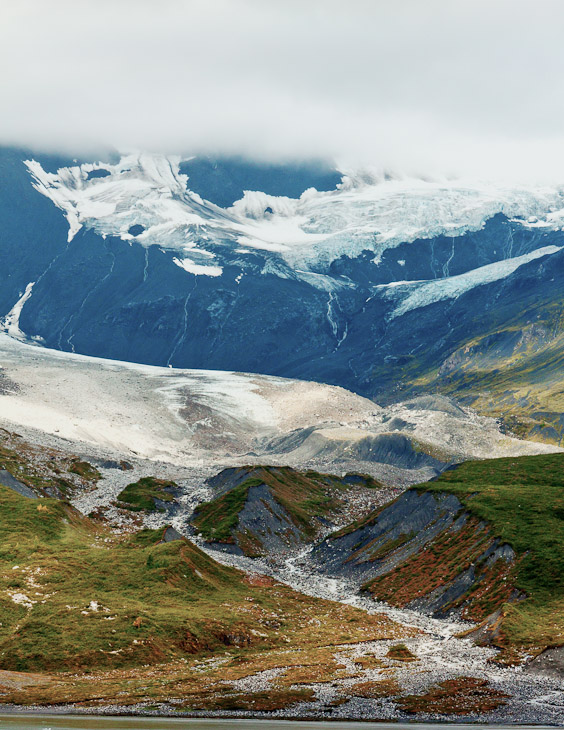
[{"x": 73, "y": 722}]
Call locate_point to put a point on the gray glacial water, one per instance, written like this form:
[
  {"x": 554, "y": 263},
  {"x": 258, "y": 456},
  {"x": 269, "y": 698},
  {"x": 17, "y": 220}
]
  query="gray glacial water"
[{"x": 72, "y": 722}]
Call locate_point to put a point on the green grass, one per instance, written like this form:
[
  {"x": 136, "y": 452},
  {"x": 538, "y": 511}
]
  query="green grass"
[
  {"x": 401, "y": 653},
  {"x": 305, "y": 496},
  {"x": 75, "y": 596},
  {"x": 216, "y": 520},
  {"x": 85, "y": 470},
  {"x": 141, "y": 495},
  {"x": 512, "y": 371},
  {"x": 155, "y": 600},
  {"x": 523, "y": 500},
  {"x": 163, "y": 599}
]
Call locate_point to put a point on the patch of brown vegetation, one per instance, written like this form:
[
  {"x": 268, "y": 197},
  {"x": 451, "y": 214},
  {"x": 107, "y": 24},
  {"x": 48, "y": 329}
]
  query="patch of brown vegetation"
[
  {"x": 460, "y": 696},
  {"x": 312, "y": 664},
  {"x": 322, "y": 672},
  {"x": 440, "y": 562},
  {"x": 258, "y": 580},
  {"x": 368, "y": 661},
  {"x": 20, "y": 680},
  {"x": 212, "y": 633},
  {"x": 374, "y": 690},
  {"x": 274, "y": 699},
  {"x": 249, "y": 543},
  {"x": 401, "y": 653}
]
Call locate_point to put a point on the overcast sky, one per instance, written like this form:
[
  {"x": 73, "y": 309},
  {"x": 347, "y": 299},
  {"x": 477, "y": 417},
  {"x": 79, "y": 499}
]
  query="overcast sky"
[{"x": 428, "y": 87}]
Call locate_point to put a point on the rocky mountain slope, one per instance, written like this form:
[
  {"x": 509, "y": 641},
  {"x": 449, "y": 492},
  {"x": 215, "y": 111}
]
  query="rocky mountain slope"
[
  {"x": 260, "y": 511},
  {"x": 511, "y": 371},
  {"x": 296, "y": 271},
  {"x": 347, "y": 325},
  {"x": 481, "y": 541},
  {"x": 169, "y": 629}
]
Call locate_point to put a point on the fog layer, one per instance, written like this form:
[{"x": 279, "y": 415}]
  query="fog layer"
[{"x": 440, "y": 87}]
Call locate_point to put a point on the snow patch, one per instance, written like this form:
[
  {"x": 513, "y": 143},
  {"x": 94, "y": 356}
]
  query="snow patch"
[
  {"x": 322, "y": 282},
  {"x": 451, "y": 287},
  {"x": 198, "y": 269},
  {"x": 10, "y": 324}
]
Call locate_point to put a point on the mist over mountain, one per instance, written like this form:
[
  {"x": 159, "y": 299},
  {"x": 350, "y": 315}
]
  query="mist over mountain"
[
  {"x": 281, "y": 360},
  {"x": 437, "y": 89}
]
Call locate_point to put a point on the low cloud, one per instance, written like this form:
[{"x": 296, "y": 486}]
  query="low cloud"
[{"x": 437, "y": 88}]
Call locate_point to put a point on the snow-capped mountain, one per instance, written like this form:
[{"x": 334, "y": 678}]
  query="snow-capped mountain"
[{"x": 297, "y": 269}]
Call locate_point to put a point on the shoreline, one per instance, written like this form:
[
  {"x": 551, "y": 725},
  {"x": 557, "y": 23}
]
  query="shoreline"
[{"x": 112, "y": 711}]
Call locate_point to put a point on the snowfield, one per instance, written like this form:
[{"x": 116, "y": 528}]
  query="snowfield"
[
  {"x": 181, "y": 416},
  {"x": 421, "y": 294}
]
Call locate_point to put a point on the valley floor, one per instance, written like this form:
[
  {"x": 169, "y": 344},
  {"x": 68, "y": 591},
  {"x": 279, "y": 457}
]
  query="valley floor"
[{"x": 340, "y": 681}]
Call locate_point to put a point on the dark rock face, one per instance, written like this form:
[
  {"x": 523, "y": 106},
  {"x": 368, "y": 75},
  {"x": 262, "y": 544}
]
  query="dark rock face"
[
  {"x": 93, "y": 174},
  {"x": 391, "y": 548},
  {"x": 268, "y": 522},
  {"x": 223, "y": 181},
  {"x": 115, "y": 298},
  {"x": 8, "y": 481},
  {"x": 170, "y": 535},
  {"x": 413, "y": 515},
  {"x": 280, "y": 509}
]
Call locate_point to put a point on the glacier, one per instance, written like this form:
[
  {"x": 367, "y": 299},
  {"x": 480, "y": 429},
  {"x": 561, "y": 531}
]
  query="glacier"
[
  {"x": 435, "y": 290},
  {"x": 308, "y": 233},
  {"x": 345, "y": 284},
  {"x": 10, "y": 324}
]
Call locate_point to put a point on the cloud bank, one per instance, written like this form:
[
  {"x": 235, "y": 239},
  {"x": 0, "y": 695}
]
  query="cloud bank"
[{"x": 438, "y": 88}]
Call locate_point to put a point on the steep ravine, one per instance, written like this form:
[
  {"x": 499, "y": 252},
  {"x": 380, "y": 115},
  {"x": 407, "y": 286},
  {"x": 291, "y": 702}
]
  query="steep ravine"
[{"x": 424, "y": 551}]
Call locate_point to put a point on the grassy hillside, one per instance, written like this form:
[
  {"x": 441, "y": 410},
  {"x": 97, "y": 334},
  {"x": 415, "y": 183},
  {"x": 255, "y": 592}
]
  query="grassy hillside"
[
  {"x": 75, "y": 596},
  {"x": 47, "y": 472},
  {"x": 523, "y": 501},
  {"x": 145, "y": 494},
  {"x": 308, "y": 500},
  {"x": 513, "y": 371},
  {"x": 496, "y": 553}
]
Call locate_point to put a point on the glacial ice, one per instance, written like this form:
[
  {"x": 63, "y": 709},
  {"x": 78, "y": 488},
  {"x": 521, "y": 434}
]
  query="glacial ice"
[
  {"x": 198, "y": 269},
  {"x": 308, "y": 233},
  {"x": 420, "y": 294},
  {"x": 10, "y": 324}
]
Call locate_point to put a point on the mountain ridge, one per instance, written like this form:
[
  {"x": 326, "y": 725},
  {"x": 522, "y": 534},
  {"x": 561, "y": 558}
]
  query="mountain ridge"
[{"x": 225, "y": 288}]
